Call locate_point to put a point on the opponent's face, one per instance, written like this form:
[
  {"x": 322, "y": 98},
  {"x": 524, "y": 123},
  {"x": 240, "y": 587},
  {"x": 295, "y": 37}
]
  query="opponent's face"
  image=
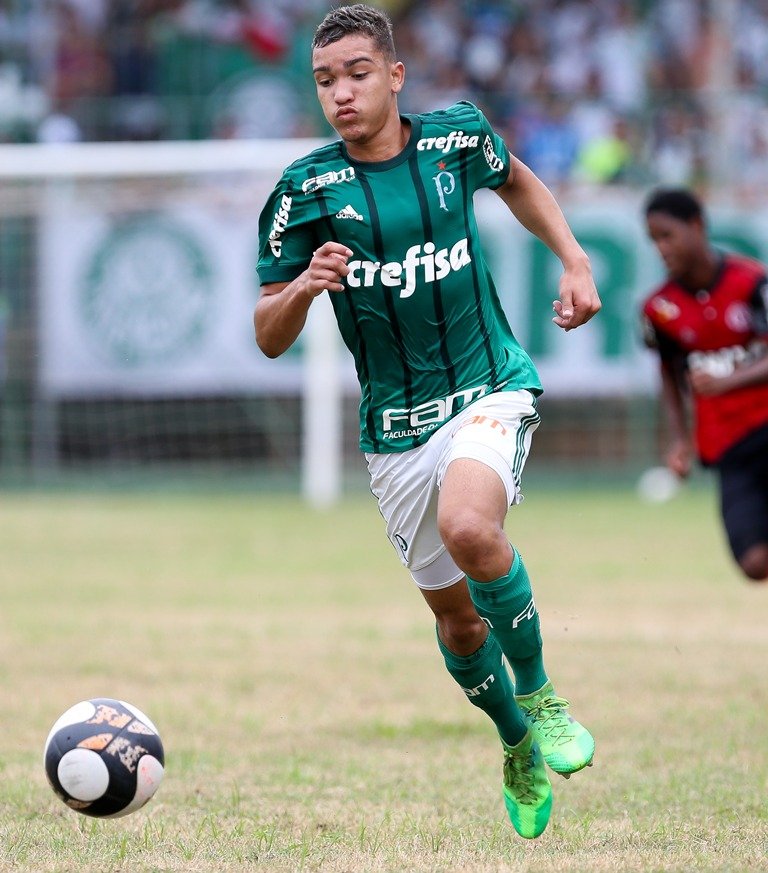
[
  {"x": 681, "y": 244},
  {"x": 356, "y": 86}
]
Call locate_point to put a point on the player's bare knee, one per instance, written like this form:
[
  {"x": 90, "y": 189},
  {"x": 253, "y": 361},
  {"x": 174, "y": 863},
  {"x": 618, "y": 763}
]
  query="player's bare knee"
[
  {"x": 468, "y": 537},
  {"x": 462, "y": 633},
  {"x": 754, "y": 563}
]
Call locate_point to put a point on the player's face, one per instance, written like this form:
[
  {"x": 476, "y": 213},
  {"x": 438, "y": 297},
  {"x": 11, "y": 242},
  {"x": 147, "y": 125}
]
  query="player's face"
[
  {"x": 681, "y": 244},
  {"x": 356, "y": 86}
]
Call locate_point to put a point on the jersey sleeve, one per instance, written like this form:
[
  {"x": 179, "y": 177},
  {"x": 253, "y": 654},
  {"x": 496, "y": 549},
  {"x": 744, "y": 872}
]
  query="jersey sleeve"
[
  {"x": 759, "y": 308},
  {"x": 491, "y": 160},
  {"x": 668, "y": 350},
  {"x": 286, "y": 234}
]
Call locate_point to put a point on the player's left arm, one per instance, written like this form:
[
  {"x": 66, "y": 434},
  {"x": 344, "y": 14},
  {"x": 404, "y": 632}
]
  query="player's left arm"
[
  {"x": 755, "y": 373},
  {"x": 535, "y": 207}
]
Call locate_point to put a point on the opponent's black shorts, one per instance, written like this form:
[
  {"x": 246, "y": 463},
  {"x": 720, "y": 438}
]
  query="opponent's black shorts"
[{"x": 743, "y": 472}]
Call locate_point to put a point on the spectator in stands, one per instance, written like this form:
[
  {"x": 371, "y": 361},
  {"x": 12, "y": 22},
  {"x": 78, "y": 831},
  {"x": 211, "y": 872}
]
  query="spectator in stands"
[{"x": 603, "y": 58}]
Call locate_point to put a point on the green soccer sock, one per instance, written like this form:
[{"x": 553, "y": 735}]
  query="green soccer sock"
[
  {"x": 506, "y": 604},
  {"x": 486, "y": 682}
]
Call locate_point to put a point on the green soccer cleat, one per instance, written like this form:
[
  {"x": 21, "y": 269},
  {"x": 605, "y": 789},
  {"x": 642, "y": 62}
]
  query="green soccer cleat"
[
  {"x": 566, "y": 745},
  {"x": 527, "y": 792}
]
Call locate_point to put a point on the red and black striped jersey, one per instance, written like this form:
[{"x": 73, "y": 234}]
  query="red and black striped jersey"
[{"x": 716, "y": 329}]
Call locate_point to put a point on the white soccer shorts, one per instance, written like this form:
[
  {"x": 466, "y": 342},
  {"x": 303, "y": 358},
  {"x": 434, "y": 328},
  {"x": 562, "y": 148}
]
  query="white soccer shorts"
[{"x": 496, "y": 430}]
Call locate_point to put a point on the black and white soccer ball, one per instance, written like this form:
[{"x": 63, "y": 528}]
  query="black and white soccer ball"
[{"x": 104, "y": 758}]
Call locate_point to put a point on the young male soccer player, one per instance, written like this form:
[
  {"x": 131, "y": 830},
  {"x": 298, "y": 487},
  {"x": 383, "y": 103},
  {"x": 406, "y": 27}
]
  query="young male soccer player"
[
  {"x": 382, "y": 221},
  {"x": 708, "y": 324}
]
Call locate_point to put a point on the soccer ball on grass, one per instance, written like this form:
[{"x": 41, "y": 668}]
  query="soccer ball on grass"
[{"x": 104, "y": 758}]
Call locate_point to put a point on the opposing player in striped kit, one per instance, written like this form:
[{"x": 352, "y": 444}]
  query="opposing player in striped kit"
[
  {"x": 708, "y": 322},
  {"x": 383, "y": 222}
]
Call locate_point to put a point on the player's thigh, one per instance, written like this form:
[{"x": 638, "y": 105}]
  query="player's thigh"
[
  {"x": 471, "y": 490},
  {"x": 744, "y": 505},
  {"x": 405, "y": 486},
  {"x": 483, "y": 462}
]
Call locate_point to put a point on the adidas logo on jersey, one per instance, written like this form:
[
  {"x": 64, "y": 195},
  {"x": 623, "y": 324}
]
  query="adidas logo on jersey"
[{"x": 349, "y": 212}]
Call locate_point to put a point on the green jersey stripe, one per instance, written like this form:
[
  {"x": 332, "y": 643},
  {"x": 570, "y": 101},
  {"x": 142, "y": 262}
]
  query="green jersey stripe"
[
  {"x": 426, "y": 220},
  {"x": 340, "y": 300},
  {"x": 484, "y": 332},
  {"x": 378, "y": 248}
]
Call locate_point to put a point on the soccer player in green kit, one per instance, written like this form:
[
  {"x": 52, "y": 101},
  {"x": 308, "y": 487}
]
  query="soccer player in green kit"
[{"x": 382, "y": 221}]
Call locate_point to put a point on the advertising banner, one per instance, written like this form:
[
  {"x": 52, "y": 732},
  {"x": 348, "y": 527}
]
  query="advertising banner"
[{"x": 160, "y": 302}]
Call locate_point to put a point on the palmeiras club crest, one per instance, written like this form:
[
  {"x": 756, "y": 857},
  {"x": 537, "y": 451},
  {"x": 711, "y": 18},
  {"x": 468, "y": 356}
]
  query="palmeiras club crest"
[{"x": 147, "y": 293}]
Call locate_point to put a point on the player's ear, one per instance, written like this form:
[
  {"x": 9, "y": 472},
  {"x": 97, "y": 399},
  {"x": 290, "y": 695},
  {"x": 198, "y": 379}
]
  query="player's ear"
[{"x": 397, "y": 71}]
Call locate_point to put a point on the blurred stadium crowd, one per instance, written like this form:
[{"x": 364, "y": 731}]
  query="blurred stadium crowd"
[{"x": 605, "y": 91}]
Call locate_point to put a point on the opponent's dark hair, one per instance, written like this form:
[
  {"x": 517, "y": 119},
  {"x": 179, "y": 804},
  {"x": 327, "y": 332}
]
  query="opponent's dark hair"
[
  {"x": 676, "y": 202},
  {"x": 359, "y": 18}
]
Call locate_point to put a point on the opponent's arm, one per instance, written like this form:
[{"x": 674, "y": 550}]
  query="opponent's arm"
[
  {"x": 282, "y": 308},
  {"x": 755, "y": 373},
  {"x": 680, "y": 452},
  {"x": 534, "y": 206}
]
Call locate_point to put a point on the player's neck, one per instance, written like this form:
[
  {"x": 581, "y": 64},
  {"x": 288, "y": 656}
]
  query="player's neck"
[
  {"x": 705, "y": 272},
  {"x": 385, "y": 144}
]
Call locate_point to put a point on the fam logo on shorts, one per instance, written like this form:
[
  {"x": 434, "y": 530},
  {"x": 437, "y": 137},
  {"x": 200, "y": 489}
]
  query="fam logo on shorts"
[{"x": 147, "y": 292}]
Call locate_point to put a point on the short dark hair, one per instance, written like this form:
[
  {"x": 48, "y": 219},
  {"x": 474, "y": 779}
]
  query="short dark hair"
[
  {"x": 359, "y": 18},
  {"x": 676, "y": 202}
]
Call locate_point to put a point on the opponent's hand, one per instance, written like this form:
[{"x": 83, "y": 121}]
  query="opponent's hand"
[
  {"x": 706, "y": 384},
  {"x": 579, "y": 299},
  {"x": 680, "y": 457},
  {"x": 327, "y": 268}
]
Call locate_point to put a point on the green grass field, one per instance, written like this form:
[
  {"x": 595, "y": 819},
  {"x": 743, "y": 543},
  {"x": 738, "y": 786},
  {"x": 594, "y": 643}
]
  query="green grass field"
[{"x": 308, "y": 722}]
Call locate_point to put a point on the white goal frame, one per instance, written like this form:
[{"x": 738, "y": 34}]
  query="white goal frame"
[{"x": 321, "y": 467}]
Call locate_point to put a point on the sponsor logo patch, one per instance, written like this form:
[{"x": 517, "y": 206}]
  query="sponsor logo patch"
[
  {"x": 398, "y": 423},
  {"x": 332, "y": 177},
  {"x": 665, "y": 309},
  {"x": 423, "y": 263},
  {"x": 349, "y": 211},
  {"x": 492, "y": 159},
  {"x": 279, "y": 224},
  {"x": 456, "y": 139}
]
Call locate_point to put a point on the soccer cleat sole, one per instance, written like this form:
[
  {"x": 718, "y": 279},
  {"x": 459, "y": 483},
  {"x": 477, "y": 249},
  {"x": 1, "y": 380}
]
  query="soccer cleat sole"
[{"x": 566, "y": 774}]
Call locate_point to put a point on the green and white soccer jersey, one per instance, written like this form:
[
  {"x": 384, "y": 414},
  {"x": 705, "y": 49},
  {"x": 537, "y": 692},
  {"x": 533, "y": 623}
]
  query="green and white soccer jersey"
[{"x": 420, "y": 312}]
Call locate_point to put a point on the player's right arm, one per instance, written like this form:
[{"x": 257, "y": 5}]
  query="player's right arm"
[
  {"x": 672, "y": 369},
  {"x": 680, "y": 452},
  {"x": 282, "y": 308}
]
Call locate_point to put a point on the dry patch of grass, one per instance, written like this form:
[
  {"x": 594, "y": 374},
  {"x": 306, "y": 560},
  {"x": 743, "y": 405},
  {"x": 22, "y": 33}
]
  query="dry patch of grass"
[{"x": 307, "y": 718}]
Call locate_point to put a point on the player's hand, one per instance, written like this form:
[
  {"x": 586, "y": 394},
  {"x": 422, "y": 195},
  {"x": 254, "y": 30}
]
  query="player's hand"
[
  {"x": 706, "y": 384},
  {"x": 579, "y": 299},
  {"x": 680, "y": 458},
  {"x": 327, "y": 268}
]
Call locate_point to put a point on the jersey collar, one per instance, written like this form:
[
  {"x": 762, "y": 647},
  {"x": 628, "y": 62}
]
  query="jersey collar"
[{"x": 378, "y": 166}]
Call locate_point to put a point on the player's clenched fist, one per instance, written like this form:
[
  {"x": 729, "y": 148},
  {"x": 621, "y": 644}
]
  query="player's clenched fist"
[{"x": 327, "y": 268}]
